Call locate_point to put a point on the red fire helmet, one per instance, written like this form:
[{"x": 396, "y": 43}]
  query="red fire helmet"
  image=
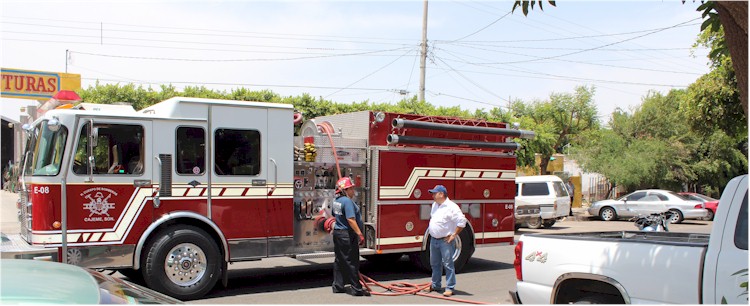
[{"x": 344, "y": 183}]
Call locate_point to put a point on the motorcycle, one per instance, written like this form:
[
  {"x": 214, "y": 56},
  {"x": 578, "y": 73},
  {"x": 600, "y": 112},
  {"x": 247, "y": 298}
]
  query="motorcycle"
[{"x": 656, "y": 222}]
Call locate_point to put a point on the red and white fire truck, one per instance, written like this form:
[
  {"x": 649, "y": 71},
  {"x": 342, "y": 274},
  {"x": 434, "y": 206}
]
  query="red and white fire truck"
[{"x": 177, "y": 191}]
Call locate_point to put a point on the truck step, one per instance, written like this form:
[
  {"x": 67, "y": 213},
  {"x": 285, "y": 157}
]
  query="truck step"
[
  {"x": 14, "y": 247},
  {"x": 315, "y": 255}
]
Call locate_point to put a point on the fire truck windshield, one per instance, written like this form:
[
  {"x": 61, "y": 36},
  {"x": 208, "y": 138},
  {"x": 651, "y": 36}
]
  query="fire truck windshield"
[{"x": 48, "y": 151}]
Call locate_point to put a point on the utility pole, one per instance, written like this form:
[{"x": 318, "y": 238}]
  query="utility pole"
[
  {"x": 423, "y": 57},
  {"x": 66, "y": 60}
]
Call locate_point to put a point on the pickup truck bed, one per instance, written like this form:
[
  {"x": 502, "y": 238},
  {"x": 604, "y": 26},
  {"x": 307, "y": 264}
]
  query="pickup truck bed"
[
  {"x": 581, "y": 264},
  {"x": 640, "y": 267}
]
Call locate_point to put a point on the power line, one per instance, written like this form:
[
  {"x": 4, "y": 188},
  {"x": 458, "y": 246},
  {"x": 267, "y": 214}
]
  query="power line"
[
  {"x": 482, "y": 29},
  {"x": 589, "y": 49},
  {"x": 187, "y": 48},
  {"x": 232, "y": 60},
  {"x": 576, "y": 49},
  {"x": 374, "y": 72},
  {"x": 462, "y": 98},
  {"x": 236, "y": 84},
  {"x": 204, "y": 34},
  {"x": 570, "y": 38},
  {"x": 205, "y": 30},
  {"x": 568, "y": 78},
  {"x": 578, "y": 62},
  {"x": 471, "y": 81},
  {"x": 192, "y": 42}
]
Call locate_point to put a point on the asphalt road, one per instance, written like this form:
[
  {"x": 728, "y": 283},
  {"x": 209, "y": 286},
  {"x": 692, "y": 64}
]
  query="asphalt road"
[{"x": 487, "y": 277}]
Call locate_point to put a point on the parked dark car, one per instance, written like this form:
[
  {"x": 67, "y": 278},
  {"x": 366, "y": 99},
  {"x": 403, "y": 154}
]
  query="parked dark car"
[
  {"x": 26, "y": 281},
  {"x": 708, "y": 203}
]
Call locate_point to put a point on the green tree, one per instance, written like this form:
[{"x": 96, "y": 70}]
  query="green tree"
[
  {"x": 731, "y": 15},
  {"x": 564, "y": 115}
]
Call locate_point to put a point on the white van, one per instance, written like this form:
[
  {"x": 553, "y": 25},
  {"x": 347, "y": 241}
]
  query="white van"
[{"x": 547, "y": 191}]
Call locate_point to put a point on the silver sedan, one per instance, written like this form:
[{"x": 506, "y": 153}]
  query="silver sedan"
[{"x": 645, "y": 202}]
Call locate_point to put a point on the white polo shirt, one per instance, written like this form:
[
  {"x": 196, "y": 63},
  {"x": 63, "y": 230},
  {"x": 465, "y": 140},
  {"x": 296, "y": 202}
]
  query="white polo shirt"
[{"x": 444, "y": 218}]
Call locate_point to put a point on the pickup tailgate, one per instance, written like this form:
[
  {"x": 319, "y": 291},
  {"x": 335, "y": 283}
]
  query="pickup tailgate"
[{"x": 642, "y": 267}]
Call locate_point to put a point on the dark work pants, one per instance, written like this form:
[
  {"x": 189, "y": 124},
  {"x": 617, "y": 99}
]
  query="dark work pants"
[
  {"x": 570, "y": 212},
  {"x": 346, "y": 265}
]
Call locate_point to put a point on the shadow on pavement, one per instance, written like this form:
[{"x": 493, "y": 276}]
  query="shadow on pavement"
[{"x": 277, "y": 279}]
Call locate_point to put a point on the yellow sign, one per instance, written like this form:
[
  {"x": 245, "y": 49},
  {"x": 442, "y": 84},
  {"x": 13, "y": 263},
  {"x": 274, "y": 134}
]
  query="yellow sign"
[{"x": 36, "y": 85}]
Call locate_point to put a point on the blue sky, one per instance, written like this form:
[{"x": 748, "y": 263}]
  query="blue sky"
[{"x": 349, "y": 51}]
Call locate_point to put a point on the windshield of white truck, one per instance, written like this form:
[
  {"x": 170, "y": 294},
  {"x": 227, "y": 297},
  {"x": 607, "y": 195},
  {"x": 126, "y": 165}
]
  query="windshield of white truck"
[{"x": 48, "y": 150}]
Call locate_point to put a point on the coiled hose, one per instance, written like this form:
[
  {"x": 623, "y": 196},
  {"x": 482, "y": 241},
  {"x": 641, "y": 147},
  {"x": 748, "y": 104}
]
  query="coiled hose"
[{"x": 402, "y": 288}]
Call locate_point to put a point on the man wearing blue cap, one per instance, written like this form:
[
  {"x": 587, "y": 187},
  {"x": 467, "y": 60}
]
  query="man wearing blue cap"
[{"x": 446, "y": 221}]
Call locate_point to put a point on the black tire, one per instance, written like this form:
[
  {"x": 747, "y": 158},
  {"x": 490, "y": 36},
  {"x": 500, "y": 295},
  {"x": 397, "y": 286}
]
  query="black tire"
[
  {"x": 549, "y": 223},
  {"x": 534, "y": 223},
  {"x": 462, "y": 256},
  {"x": 383, "y": 259},
  {"x": 676, "y": 216},
  {"x": 608, "y": 214},
  {"x": 592, "y": 299},
  {"x": 709, "y": 216},
  {"x": 192, "y": 252}
]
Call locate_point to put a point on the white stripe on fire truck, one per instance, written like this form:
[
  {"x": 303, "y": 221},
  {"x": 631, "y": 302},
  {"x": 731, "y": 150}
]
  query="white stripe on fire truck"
[
  {"x": 95, "y": 237},
  {"x": 233, "y": 192},
  {"x": 490, "y": 235},
  {"x": 419, "y": 239},
  {"x": 436, "y": 173},
  {"x": 129, "y": 215},
  {"x": 194, "y": 192},
  {"x": 135, "y": 204},
  {"x": 400, "y": 240},
  {"x": 53, "y": 239},
  {"x": 419, "y": 173},
  {"x": 471, "y": 174}
]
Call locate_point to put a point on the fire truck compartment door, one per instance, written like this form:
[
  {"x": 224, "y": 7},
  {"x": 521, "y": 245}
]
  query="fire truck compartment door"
[{"x": 240, "y": 175}]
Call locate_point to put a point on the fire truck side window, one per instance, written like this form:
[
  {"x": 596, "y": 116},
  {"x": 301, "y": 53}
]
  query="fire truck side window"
[
  {"x": 119, "y": 150},
  {"x": 191, "y": 151},
  {"x": 237, "y": 152}
]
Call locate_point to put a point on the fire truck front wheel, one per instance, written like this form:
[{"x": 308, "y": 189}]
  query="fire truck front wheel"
[
  {"x": 182, "y": 262},
  {"x": 464, "y": 250}
]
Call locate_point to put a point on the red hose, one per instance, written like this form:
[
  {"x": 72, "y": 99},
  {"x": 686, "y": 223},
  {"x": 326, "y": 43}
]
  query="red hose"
[
  {"x": 402, "y": 288},
  {"x": 328, "y": 129},
  {"x": 297, "y": 118}
]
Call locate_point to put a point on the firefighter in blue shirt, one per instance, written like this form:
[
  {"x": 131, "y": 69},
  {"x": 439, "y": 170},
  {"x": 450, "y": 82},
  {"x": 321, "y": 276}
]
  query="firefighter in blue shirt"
[{"x": 347, "y": 236}]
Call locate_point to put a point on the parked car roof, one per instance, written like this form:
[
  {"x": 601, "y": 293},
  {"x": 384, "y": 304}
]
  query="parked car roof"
[{"x": 25, "y": 281}]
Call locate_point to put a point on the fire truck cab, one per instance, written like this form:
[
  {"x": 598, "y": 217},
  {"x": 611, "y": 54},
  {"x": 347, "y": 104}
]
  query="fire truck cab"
[{"x": 175, "y": 192}]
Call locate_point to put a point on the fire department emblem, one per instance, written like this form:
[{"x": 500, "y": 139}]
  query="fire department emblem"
[{"x": 98, "y": 204}]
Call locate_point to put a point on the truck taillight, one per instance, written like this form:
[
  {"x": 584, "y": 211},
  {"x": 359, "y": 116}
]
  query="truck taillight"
[{"x": 517, "y": 262}]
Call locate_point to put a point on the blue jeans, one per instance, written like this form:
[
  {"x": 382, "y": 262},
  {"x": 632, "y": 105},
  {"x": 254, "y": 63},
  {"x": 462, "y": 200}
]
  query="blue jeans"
[{"x": 441, "y": 256}]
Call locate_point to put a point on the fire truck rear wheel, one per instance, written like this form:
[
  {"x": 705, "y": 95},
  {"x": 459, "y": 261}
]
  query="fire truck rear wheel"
[
  {"x": 464, "y": 250},
  {"x": 182, "y": 262}
]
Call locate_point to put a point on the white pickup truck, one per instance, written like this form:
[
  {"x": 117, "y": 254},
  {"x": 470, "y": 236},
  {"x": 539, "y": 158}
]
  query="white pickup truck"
[{"x": 640, "y": 267}]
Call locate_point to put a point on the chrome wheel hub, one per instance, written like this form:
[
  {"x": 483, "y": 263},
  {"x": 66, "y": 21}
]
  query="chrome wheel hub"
[
  {"x": 185, "y": 264},
  {"x": 457, "y": 253}
]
